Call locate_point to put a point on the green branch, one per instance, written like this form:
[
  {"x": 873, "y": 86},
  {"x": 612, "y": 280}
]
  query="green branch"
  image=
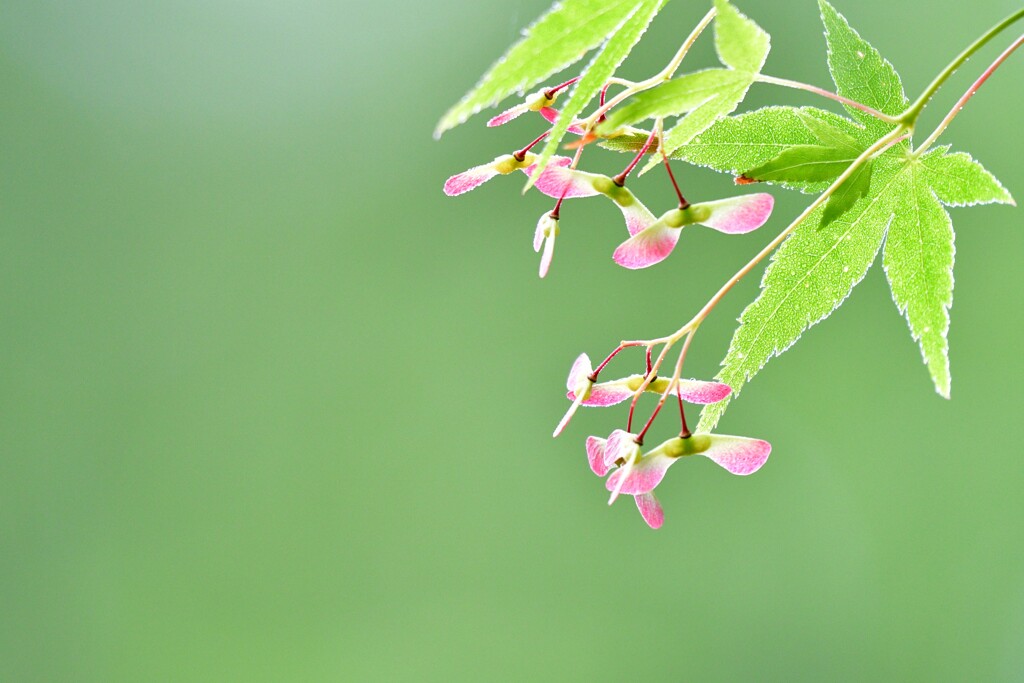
[{"x": 909, "y": 117}]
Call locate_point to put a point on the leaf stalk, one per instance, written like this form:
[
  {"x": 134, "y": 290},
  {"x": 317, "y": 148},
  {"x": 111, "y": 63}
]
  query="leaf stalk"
[
  {"x": 967, "y": 96},
  {"x": 797, "y": 85},
  {"x": 910, "y": 116}
]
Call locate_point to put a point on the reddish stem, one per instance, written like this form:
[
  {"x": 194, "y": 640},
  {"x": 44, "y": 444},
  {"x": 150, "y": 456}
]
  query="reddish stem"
[
  {"x": 620, "y": 179},
  {"x": 673, "y": 385},
  {"x": 521, "y": 154},
  {"x": 606, "y": 361},
  {"x": 556, "y": 212},
  {"x": 604, "y": 93},
  {"x": 629, "y": 420},
  {"x": 969, "y": 94},
  {"x": 650, "y": 421},
  {"x": 682, "y": 200},
  {"x": 561, "y": 86},
  {"x": 573, "y": 165},
  {"x": 763, "y": 78},
  {"x": 684, "y": 431}
]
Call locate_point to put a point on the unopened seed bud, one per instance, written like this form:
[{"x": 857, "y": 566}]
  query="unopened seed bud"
[
  {"x": 696, "y": 213},
  {"x": 539, "y": 100},
  {"x": 679, "y": 447},
  {"x": 617, "y": 193},
  {"x": 659, "y": 385},
  {"x": 635, "y": 382},
  {"x": 697, "y": 443},
  {"x": 604, "y": 185},
  {"x": 676, "y": 218},
  {"x": 509, "y": 164}
]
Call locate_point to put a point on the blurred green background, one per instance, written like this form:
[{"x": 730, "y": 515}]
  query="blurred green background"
[{"x": 273, "y": 408}]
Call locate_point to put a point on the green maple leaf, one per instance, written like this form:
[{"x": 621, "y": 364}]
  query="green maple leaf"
[
  {"x": 704, "y": 96},
  {"x": 846, "y": 195},
  {"x": 737, "y": 144},
  {"x": 597, "y": 73},
  {"x": 801, "y": 149},
  {"x": 832, "y": 152},
  {"x": 861, "y": 74},
  {"x": 708, "y": 90},
  {"x": 831, "y": 134},
  {"x": 803, "y": 163},
  {"x": 898, "y": 208},
  {"x": 560, "y": 38},
  {"x": 919, "y": 247}
]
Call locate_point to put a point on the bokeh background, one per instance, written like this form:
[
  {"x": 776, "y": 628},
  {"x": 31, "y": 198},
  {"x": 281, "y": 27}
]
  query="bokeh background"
[{"x": 273, "y": 408}]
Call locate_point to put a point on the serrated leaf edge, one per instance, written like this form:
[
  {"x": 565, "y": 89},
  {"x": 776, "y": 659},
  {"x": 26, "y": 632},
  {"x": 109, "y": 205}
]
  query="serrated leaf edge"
[
  {"x": 809, "y": 188},
  {"x": 768, "y": 47},
  {"x": 947, "y": 305},
  {"x": 1010, "y": 201},
  {"x": 720, "y": 408},
  {"x": 566, "y": 115},
  {"x": 856, "y": 113},
  {"x": 444, "y": 125}
]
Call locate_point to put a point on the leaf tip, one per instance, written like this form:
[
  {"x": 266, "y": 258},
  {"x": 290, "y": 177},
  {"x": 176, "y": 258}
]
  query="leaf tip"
[{"x": 447, "y": 122}]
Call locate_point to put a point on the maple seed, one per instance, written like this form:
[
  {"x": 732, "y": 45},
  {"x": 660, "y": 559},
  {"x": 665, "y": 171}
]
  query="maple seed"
[
  {"x": 534, "y": 102},
  {"x": 733, "y": 216},
  {"x": 616, "y": 391},
  {"x": 901, "y": 214},
  {"x": 639, "y": 473},
  {"x": 544, "y": 235},
  {"x": 556, "y": 181}
]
